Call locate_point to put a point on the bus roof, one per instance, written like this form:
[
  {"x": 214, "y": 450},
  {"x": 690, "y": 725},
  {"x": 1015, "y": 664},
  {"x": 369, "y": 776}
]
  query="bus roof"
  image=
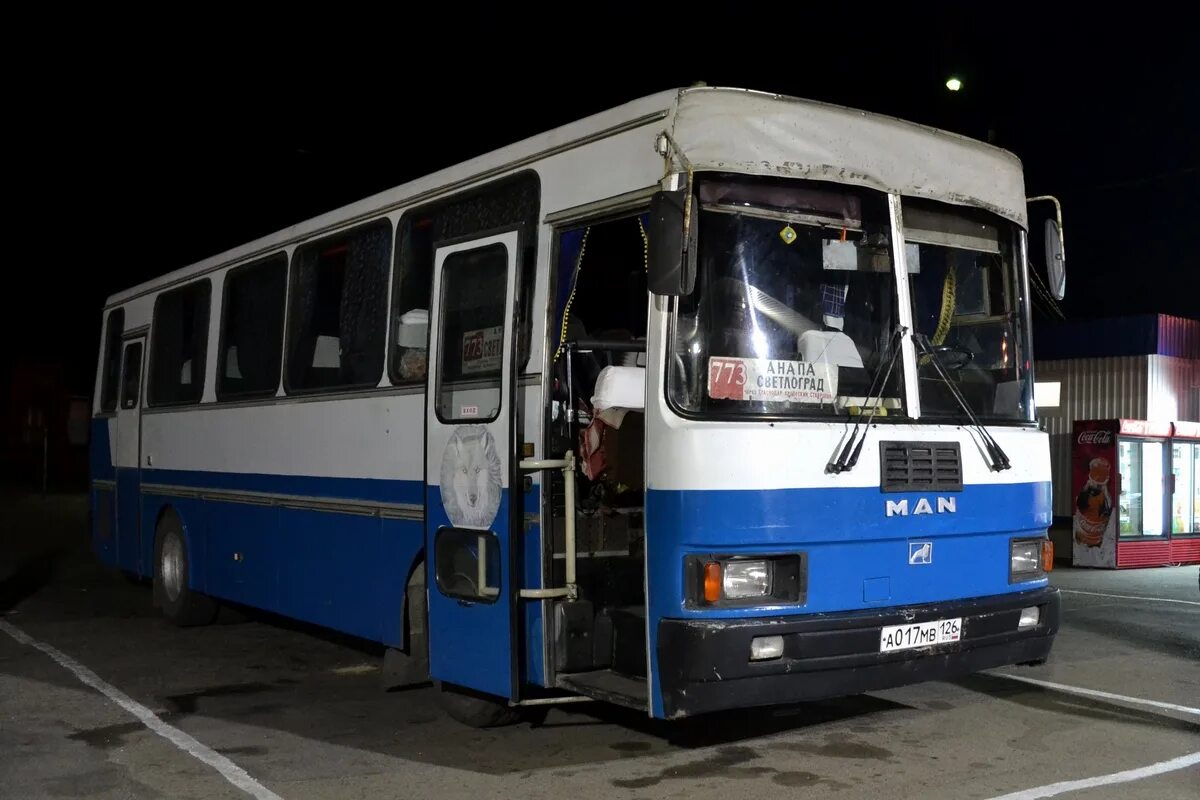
[
  {"x": 720, "y": 129},
  {"x": 737, "y": 130}
]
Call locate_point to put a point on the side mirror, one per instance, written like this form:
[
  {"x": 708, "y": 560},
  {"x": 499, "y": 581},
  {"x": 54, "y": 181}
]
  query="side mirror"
[
  {"x": 1056, "y": 261},
  {"x": 671, "y": 264},
  {"x": 1056, "y": 267}
]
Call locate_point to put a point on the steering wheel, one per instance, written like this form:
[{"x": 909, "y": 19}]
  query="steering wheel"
[{"x": 959, "y": 356}]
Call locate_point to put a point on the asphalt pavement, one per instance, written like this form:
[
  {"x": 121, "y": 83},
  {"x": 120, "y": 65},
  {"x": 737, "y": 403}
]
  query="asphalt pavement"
[{"x": 270, "y": 708}]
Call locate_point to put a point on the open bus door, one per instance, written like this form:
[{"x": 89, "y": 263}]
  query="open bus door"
[{"x": 471, "y": 513}]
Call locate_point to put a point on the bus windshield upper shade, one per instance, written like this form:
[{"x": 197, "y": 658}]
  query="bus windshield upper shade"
[
  {"x": 968, "y": 313},
  {"x": 794, "y": 304}
]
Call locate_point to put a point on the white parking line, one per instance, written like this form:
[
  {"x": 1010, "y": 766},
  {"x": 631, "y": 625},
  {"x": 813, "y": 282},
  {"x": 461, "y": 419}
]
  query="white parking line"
[
  {"x": 1137, "y": 701},
  {"x": 229, "y": 770},
  {"x": 1050, "y": 790},
  {"x": 1132, "y": 597}
]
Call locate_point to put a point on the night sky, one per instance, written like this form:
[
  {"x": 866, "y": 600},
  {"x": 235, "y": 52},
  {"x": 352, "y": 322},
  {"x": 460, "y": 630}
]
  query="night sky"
[{"x": 157, "y": 149}]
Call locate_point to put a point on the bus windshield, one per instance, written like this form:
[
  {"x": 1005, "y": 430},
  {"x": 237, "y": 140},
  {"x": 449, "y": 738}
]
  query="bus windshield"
[
  {"x": 967, "y": 312},
  {"x": 794, "y": 305}
]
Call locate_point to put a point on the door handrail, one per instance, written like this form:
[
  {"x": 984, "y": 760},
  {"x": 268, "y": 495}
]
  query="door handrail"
[{"x": 567, "y": 465}]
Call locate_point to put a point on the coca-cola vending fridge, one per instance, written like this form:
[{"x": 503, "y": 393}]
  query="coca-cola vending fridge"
[
  {"x": 1185, "y": 477},
  {"x": 1135, "y": 486}
]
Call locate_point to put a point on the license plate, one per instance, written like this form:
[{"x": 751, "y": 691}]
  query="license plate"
[{"x": 919, "y": 634}]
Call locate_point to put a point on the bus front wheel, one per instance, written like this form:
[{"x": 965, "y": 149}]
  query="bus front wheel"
[
  {"x": 474, "y": 708},
  {"x": 172, "y": 578}
]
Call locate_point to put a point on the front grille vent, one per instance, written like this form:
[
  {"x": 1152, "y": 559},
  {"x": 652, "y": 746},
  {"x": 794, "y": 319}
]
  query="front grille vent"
[{"x": 920, "y": 467}]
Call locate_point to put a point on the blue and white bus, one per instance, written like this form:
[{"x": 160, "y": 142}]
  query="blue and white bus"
[{"x": 714, "y": 399}]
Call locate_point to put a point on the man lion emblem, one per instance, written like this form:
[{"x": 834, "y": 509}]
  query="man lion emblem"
[{"x": 470, "y": 481}]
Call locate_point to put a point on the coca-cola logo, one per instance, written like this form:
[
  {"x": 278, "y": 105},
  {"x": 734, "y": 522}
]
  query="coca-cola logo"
[{"x": 1095, "y": 437}]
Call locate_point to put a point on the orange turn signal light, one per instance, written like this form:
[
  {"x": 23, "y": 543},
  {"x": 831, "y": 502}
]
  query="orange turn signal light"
[
  {"x": 712, "y": 581},
  {"x": 1047, "y": 556}
]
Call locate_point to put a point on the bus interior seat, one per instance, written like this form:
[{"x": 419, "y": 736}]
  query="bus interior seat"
[
  {"x": 231, "y": 363},
  {"x": 863, "y": 331},
  {"x": 412, "y": 337},
  {"x": 611, "y": 446},
  {"x": 327, "y": 353},
  {"x": 326, "y": 360},
  {"x": 619, "y": 389}
]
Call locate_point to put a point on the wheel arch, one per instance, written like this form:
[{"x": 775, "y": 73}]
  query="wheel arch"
[{"x": 414, "y": 582}]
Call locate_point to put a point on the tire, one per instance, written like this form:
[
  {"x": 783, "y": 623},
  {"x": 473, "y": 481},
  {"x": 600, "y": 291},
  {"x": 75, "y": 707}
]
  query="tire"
[
  {"x": 474, "y": 709},
  {"x": 172, "y": 578}
]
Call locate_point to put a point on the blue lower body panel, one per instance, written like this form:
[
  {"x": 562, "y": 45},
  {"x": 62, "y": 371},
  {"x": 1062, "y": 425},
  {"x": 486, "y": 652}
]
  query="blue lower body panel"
[
  {"x": 338, "y": 569},
  {"x": 104, "y": 525},
  {"x": 472, "y": 640},
  {"x": 866, "y": 551},
  {"x": 129, "y": 555}
]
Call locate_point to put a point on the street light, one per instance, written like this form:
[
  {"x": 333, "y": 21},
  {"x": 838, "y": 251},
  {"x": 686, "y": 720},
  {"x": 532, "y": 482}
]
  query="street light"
[{"x": 954, "y": 84}]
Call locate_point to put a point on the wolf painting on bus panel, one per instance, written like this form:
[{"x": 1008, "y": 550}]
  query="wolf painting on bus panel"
[{"x": 470, "y": 477}]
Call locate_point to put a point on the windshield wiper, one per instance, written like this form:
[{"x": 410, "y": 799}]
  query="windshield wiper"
[
  {"x": 847, "y": 457},
  {"x": 997, "y": 458}
]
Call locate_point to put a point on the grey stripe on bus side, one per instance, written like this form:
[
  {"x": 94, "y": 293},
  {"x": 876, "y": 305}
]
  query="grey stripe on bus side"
[
  {"x": 411, "y": 511},
  {"x": 407, "y": 511}
]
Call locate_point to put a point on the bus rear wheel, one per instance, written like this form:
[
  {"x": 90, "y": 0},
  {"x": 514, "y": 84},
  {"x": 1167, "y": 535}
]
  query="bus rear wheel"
[
  {"x": 475, "y": 709},
  {"x": 172, "y": 578}
]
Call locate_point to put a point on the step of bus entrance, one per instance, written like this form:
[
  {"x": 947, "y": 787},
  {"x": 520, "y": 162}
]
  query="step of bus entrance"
[
  {"x": 628, "y": 639},
  {"x": 609, "y": 686},
  {"x": 582, "y": 638}
]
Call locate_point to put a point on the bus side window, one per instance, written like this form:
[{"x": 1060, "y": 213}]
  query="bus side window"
[
  {"x": 501, "y": 205},
  {"x": 112, "y": 360},
  {"x": 337, "y": 312},
  {"x": 179, "y": 341},
  {"x": 467, "y": 564},
  {"x": 131, "y": 381},
  {"x": 414, "y": 270},
  {"x": 252, "y": 329}
]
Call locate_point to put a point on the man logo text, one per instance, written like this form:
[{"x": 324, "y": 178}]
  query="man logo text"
[{"x": 945, "y": 505}]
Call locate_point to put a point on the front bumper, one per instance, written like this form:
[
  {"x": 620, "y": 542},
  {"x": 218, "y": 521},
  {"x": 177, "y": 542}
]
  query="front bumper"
[{"x": 704, "y": 665}]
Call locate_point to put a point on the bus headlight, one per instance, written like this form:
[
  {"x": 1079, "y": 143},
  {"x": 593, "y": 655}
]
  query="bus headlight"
[
  {"x": 745, "y": 579},
  {"x": 720, "y": 580},
  {"x": 1025, "y": 560}
]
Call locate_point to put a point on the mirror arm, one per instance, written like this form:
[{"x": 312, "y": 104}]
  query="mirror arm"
[
  {"x": 1058, "y": 215},
  {"x": 673, "y": 149},
  {"x": 668, "y": 147},
  {"x": 687, "y": 219}
]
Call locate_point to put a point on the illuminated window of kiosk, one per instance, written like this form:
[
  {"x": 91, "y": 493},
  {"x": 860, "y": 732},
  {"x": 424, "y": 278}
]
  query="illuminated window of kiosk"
[{"x": 1046, "y": 394}]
